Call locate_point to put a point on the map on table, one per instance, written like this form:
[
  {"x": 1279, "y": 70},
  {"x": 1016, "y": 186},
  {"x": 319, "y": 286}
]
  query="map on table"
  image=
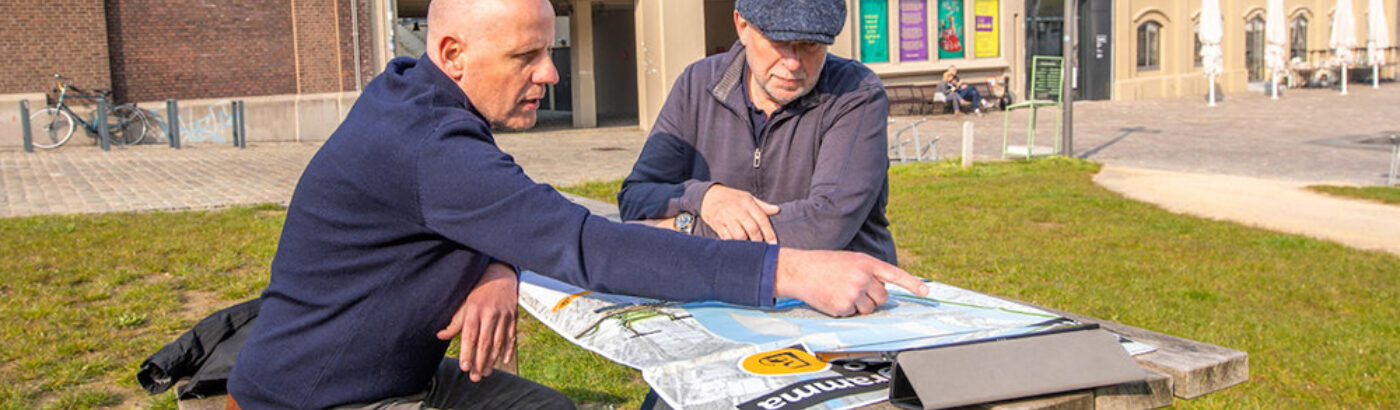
[{"x": 715, "y": 355}]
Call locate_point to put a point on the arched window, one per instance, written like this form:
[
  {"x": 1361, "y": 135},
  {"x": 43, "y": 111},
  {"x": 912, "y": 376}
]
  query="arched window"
[
  {"x": 1254, "y": 48},
  {"x": 1149, "y": 46},
  {"x": 1298, "y": 38}
]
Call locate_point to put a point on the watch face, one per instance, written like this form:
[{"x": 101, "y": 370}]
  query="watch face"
[{"x": 684, "y": 221}]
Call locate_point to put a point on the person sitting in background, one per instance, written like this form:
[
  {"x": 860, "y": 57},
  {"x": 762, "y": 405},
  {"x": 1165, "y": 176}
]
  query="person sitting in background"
[{"x": 958, "y": 92}]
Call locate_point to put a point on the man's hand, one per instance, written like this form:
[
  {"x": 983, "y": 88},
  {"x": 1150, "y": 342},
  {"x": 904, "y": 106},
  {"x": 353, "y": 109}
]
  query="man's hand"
[
  {"x": 839, "y": 283},
  {"x": 735, "y": 214},
  {"x": 486, "y": 321}
]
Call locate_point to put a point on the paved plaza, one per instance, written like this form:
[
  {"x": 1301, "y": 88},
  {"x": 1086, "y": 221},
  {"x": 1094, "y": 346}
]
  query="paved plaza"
[{"x": 1308, "y": 136}]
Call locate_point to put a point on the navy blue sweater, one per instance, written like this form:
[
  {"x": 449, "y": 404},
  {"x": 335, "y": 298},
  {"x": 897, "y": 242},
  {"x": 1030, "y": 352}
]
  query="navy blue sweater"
[{"x": 395, "y": 219}]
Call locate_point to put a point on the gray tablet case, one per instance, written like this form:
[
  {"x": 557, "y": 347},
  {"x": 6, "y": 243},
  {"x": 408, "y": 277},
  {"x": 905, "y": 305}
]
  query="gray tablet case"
[{"x": 1003, "y": 369}]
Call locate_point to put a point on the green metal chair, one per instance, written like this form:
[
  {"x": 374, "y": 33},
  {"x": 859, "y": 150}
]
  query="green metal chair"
[{"x": 1047, "y": 74}]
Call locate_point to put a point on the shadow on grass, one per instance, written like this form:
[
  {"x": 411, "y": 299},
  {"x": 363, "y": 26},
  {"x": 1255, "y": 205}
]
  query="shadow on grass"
[{"x": 586, "y": 398}]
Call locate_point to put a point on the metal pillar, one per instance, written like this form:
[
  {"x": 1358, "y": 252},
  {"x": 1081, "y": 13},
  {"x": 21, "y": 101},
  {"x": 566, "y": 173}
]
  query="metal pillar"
[
  {"x": 242, "y": 130},
  {"x": 172, "y": 122},
  {"x": 1394, "y": 160},
  {"x": 24, "y": 126},
  {"x": 235, "y": 108},
  {"x": 1071, "y": 38},
  {"x": 104, "y": 134}
]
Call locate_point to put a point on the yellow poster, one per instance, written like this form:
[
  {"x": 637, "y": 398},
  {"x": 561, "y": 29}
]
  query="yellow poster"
[{"x": 986, "y": 29}]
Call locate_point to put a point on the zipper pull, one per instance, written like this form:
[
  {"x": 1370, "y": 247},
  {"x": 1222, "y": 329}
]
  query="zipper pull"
[{"x": 757, "y": 157}]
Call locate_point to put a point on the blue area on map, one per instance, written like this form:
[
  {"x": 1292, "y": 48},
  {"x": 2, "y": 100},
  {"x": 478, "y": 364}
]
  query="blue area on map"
[{"x": 893, "y": 331}]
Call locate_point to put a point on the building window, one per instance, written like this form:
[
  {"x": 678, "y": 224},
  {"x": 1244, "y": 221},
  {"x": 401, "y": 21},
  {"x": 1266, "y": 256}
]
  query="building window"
[
  {"x": 1149, "y": 47},
  {"x": 1254, "y": 48},
  {"x": 1298, "y": 38},
  {"x": 1197, "y": 48}
]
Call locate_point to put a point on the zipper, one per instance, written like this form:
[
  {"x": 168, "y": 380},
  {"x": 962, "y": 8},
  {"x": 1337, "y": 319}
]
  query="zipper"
[{"x": 757, "y": 157}]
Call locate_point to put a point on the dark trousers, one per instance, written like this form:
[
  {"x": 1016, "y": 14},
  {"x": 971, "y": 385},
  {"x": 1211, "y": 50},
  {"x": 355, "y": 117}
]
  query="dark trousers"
[
  {"x": 453, "y": 389},
  {"x": 970, "y": 94}
]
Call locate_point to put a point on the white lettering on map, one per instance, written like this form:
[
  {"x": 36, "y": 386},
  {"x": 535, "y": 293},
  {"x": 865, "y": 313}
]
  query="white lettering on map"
[{"x": 800, "y": 393}]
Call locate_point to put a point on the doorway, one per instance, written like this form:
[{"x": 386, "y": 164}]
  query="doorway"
[
  {"x": 719, "y": 26},
  {"x": 615, "y": 62},
  {"x": 1044, "y": 30}
]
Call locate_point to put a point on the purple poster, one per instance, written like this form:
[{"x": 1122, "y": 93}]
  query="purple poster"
[{"x": 913, "y": 30}]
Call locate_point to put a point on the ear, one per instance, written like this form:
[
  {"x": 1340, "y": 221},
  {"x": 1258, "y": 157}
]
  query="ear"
[
  {"x": 740, "y": 26},
  {"x": 451, "y": 53}
]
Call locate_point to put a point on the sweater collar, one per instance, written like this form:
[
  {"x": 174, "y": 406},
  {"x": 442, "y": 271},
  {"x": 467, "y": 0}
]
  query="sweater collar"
[{"x": 445, "y": 91}]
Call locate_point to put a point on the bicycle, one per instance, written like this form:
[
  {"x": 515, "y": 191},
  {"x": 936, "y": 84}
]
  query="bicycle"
[{"x": 58, "y": 121}]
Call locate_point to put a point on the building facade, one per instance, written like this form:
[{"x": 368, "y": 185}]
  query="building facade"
[
  {"x": 1161, "y": 59},
  {"x": 300, "y": 63}
]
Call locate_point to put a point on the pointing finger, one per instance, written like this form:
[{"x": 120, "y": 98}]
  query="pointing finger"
[{"x": 891, "y": 274}]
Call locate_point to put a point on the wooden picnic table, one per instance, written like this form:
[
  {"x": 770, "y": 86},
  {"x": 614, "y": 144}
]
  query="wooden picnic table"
[{"x": 1179, "y": 367}]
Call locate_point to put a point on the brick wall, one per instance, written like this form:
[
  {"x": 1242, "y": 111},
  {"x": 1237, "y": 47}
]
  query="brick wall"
[
  {"x": 200, "y": 48},
  {"x": 40, "y": 38},
  {"x": 317, "y": 34},
  {"x": 350, "y": 25}
]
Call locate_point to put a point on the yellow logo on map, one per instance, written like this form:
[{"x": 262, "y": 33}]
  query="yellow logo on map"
[{"x": 785, "y": 361}]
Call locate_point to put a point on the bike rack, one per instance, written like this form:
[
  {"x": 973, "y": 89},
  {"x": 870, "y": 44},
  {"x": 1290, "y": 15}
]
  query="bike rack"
[
  {"x": 919, "y": 148},
  {"x": 24, "y": 126}
]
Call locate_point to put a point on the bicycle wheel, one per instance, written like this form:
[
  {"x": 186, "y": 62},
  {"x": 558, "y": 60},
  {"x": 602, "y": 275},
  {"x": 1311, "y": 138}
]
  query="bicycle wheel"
[
  {"x": 51, "y": 127},
  {"x": 127, "y": 125}
]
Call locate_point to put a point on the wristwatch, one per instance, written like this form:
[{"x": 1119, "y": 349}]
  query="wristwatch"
[{"x": 685, "y": 222}]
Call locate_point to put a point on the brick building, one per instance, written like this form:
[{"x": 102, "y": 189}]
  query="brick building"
[
  {"x": 151, "y": 50},
  {"x": 299, "y": 64}
]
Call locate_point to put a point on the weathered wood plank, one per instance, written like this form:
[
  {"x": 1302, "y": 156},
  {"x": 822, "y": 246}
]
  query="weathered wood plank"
[
  {"x": 1155, "y": 392},
  {"x": 1196, "y": 368}
]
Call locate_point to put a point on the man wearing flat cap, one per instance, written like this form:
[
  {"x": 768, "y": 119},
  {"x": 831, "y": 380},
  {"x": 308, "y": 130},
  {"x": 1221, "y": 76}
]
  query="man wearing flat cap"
[{"x": 774, "y": 141}]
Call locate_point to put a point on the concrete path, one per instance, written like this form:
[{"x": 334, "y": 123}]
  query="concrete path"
[
  {"x": 1310, "y": 135},
  {"x": 1284, "y": 206}
]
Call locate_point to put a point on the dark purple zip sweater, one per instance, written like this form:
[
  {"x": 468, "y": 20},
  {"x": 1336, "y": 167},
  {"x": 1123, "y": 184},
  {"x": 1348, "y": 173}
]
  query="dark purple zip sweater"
[
  {"x": 822, "y": 158},
  {"x": 395, "y": 219}
]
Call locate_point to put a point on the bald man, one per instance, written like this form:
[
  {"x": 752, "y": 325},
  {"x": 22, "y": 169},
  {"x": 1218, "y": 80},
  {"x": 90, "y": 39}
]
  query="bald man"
[{"x": 403, "y": 229}]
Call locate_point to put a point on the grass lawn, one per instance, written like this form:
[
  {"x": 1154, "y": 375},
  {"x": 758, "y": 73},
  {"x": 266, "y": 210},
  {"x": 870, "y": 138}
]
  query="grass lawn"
[
  {"x": 88, "y": 297},
  {"x": 1382, "y": 194}
]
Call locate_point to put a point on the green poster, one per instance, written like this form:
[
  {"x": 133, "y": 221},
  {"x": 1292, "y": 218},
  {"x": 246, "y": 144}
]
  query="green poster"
[
  {"x": 950, "y": 29},
  {"x": 874, "y": 31}
]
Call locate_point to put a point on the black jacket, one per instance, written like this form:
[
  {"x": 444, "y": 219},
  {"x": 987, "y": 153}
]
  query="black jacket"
[{"x": 205, "y": 354}]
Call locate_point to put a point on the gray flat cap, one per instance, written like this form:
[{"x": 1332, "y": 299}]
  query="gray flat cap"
[{"x": 795, "y": 20}]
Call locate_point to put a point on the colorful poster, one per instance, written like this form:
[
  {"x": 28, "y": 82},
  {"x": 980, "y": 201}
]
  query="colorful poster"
[
  {"x": 986, "y": 34},
  {"x": 913, "y": 30},
  {"x": 874, "y": 31},
  {"x": 950, "y": 29}
]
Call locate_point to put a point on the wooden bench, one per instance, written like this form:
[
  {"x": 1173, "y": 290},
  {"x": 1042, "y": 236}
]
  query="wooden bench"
[
  {"x": 925, "y": 99},
  {"x": 917, "y": 99}
]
